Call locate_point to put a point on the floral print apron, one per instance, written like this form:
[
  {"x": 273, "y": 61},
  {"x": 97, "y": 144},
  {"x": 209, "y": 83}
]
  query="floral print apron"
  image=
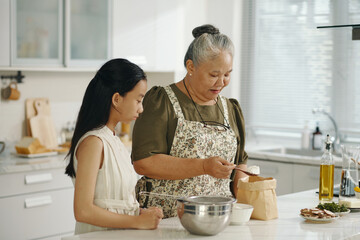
[{"x": 191, "y": 140}]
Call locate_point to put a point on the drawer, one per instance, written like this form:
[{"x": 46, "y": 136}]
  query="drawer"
[
  {"x": 37, "y": 215},
  {"x": 307, "y": 177},
  {"x": 35, "y": 181}
]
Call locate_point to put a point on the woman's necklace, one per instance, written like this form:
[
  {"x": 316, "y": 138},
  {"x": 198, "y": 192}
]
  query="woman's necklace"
[{"x": 202, "y": 120}]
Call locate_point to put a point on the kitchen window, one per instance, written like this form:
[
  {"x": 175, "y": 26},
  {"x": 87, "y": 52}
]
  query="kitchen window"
[{"x": 290, "y": 67}]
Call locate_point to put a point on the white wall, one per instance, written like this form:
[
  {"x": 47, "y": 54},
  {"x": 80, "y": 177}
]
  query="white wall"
[
  {"x": 225, "y": 15},
  {"x": 65, "y": 91}
]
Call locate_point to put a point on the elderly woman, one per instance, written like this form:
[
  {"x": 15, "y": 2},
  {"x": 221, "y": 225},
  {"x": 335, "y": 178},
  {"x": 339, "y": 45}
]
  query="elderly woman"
[{"x": 189, "y": 139}]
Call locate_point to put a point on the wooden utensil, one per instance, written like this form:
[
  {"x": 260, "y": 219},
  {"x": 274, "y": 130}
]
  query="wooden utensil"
[
  {"x": 30, "y": 110},
  {"x": 352, "y": 159},
  {"x": 246, "y": 172},
  {"x": 42, "y": 126}
]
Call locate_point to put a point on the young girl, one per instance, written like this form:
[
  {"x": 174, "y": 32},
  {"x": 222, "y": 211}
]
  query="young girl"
[{"x": 100, "y": 165}]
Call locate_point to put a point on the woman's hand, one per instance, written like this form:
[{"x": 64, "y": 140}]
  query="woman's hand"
[
  {"x": 218, "y": 167},
  {"x": 150, "y": 218}
]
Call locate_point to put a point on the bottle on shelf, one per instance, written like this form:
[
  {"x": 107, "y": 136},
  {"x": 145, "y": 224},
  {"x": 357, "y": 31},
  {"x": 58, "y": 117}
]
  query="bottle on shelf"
[
  {"x": 125, "y": 128},
  {"x": 326, "y": 182},
  {"x": 305, "y": 137},
  {"x": 125, "y": 134},
  {"x": 317, "y": 138}
]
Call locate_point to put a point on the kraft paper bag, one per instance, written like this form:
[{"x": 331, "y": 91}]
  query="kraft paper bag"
[{"x": 260, "y": 193}]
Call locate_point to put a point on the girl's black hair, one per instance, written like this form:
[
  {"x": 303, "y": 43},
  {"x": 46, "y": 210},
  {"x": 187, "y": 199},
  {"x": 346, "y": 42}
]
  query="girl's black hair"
[{"x": 115, "y": 76}]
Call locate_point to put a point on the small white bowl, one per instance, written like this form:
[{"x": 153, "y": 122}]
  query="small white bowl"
[{"x": 241, "y": 213}]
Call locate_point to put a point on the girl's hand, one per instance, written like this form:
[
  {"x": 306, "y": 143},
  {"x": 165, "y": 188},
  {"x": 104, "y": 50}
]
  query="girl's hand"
[
  {"x": 150, "y": 218},
  {"x": 218, "y": 167}
]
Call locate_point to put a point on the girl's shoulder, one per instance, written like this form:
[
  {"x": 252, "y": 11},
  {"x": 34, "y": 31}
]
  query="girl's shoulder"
[
  {"x": 99, "y": 133},
  {"x": 95, "y": 135},
  {"x": 91, "y": 142}
]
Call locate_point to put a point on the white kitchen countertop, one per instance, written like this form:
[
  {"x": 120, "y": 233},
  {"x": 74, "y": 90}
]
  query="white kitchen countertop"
[
  {"x": 289, "y": 225},
  {"x": 287, "y": 158},
  {"x": 12, "y": 163},
  {"x": 261, "y": 152}
]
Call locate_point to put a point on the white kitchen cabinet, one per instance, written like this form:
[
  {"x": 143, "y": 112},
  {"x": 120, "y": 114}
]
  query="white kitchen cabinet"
[
  {"x": 83, "y": 34},
  {"x": 5, "y": 33},
  {"x": 58, "y": 33},
  {"x": 36, "y": 204},
  {"x": 282, "y": 172},
  {"x": 87, "y": 35},
  {"x": 292, "y": 177},
  {"x": 148, "y": 35},
  {"x": 29, "y": 182},
  {"x": 307, "y": 177},
  {"x": 37, "y": 33}
]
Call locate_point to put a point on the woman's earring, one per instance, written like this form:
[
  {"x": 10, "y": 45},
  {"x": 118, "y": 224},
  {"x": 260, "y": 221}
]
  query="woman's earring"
[{"x": 190, "y": 74}]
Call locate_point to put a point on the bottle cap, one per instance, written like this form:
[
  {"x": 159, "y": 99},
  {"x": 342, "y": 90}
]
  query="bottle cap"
[{"x": 328, "y": 142}]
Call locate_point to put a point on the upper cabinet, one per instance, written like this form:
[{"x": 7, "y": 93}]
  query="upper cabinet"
[
  {"x": 57, "y": 33},
  {"x": 148, "y": 33},
  {"x": 37, "y": 33},
  {"x": 83, "y": 34},
  {"x": 88, "y": 38},
  {"x": 5, "y": 33}
]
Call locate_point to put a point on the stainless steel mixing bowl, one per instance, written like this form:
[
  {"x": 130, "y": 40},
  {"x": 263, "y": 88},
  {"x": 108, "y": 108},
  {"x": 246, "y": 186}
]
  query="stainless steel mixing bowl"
[{"x": 205, "y": 215}]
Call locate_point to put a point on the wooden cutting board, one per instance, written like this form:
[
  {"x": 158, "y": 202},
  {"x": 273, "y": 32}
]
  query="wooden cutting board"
[
  {"x": 30, "y": 110},
  {"x": 42, "y": 126}
]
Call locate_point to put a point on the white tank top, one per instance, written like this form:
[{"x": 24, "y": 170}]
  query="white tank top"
[{"x": 116, "y": 179}]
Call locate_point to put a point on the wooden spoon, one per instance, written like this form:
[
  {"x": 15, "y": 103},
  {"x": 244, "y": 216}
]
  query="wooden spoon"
[
  {"x": 355, "y": 161},
  {"x": 246, "y": 172}
]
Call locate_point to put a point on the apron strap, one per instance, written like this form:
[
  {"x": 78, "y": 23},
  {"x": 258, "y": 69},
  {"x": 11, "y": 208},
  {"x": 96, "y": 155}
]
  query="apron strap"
[
  {"x": 226, "y": 112},
  {"x": 175, "y": 102},
  {"x": 176, "y": 105}
]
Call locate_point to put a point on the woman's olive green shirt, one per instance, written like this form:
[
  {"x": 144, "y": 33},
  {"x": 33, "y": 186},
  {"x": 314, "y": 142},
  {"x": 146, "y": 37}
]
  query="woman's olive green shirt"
[{"x": 154, "y": 130}]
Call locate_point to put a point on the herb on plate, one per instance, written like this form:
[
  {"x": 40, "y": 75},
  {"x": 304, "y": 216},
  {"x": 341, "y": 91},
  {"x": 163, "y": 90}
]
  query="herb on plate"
[{"x": 333, "y": 207}]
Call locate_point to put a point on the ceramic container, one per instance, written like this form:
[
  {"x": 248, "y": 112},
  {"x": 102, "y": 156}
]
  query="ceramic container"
[{"x": 241, "y": 213}]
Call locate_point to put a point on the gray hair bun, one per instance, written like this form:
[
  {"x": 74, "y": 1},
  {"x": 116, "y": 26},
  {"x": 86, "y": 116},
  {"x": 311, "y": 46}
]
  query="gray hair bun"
[
  {"x": 207, "y": 28},
  {"x": 207, "y": 45}
]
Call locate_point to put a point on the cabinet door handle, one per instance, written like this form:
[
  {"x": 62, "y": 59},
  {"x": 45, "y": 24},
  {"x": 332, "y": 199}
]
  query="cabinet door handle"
[
  {"x": 38, "y": 178},
  {"x": 37, "y": 201}
]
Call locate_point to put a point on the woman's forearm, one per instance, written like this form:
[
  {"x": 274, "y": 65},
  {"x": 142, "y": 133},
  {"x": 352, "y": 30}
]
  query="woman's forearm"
[
  {"x": 94, "y": 215},
  {"x": 161, "y": 166},
  {"x": 238, "y": 175}
]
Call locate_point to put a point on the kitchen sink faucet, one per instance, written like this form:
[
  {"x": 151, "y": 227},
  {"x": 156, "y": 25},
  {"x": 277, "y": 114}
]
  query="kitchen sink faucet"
[{"x": 336, "y": 141}]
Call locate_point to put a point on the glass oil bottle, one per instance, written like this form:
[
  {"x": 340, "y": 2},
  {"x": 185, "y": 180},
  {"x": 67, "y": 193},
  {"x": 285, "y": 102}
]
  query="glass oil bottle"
[{"x": 326, "y": 183}]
